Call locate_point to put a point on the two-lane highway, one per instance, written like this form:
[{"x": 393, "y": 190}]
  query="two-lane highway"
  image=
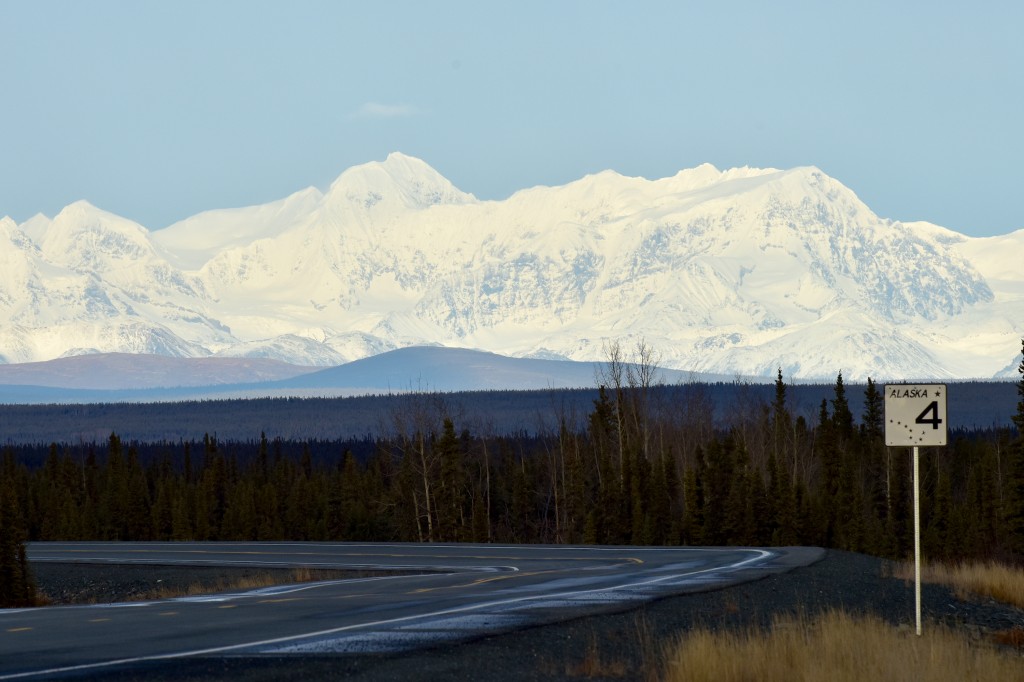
[{"x": 446, "y": 593}]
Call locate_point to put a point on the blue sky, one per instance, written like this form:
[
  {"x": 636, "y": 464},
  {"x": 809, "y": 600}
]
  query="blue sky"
[{"x": 157, "y": 111}]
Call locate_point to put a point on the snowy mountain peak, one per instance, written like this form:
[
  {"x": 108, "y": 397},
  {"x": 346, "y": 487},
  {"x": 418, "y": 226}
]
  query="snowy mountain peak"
[
  {"x": 399, "y": 178},
  {"x": 694, "y": 178},
  {"x": 83, "y": 237}
]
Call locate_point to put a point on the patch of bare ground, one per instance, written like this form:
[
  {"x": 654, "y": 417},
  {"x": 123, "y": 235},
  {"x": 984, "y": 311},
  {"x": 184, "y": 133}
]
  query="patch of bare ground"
[{"x": 71, "y": 583}]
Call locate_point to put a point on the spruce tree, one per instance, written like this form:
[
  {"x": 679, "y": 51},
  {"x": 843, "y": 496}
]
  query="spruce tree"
[
  {"x": 1018, "y": 418},
  {"x": 17, "y": 587},
  {"x": 782, "y": 506},
  {"x": 719, "y": 481},
  {"x": 451, "y": 489},
  {"x": 138, "y": 522},
  {"x": 576, "y": 488},
  {"x": 842, "y": 418},
  {"x": 1014, "y": 506},
  {"x": 692, "y": 532},
  {"x": 781, "y": 420},
  {"x": 878, "y": 472}
]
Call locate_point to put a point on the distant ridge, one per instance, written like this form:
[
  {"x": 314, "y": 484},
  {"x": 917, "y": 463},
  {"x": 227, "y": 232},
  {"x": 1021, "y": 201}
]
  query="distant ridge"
[
  {"x": 122, "y": 377},
  {"x": 120, "y": 371},
  {"x": 436, "y": 368}
]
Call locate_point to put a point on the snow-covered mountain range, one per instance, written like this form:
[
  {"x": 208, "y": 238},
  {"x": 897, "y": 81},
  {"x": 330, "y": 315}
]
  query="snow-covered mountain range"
[{"x": 730, "y": 272}]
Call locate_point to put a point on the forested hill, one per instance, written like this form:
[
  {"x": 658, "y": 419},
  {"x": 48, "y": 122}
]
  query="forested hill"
[{"x": 976, "y": 405}]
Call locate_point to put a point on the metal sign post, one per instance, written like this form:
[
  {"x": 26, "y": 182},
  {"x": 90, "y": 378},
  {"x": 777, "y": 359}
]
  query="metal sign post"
[
  {"x": 915, "y": 415},
  {"x": 917, "y": 544}
]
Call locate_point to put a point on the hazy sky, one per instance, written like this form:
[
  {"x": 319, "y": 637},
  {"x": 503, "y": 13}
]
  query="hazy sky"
[{"x": 157, "y": 111}]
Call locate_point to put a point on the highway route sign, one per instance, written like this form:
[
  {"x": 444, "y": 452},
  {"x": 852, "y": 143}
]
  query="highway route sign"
[{"x": 915, "y": 415}]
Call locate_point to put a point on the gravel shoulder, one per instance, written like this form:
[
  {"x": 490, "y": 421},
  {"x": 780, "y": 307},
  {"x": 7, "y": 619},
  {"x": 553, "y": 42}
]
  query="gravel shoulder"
[
  {"x": 90, "y": 583},
  {"x": 616, "y": 646}
]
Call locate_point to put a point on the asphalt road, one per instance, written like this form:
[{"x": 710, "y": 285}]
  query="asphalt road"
[{"x": 450, "y": 593}]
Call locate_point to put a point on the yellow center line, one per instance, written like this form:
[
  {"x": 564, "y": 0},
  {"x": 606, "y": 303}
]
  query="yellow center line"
[
  {"x": 227, "y": 606},
  {"x": 481, "y": 581},
  {"x": 18, "y": 629},
  {"x": 168, "y": 613},
  {"x": 279, "y": 601}
]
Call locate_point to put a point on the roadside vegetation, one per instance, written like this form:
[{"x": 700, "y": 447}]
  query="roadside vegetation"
[
  {"x": 837, "y": 647},
  {"x": 972, "y": 579},
  {"x": 248, "y": 582},
  {"x": 139, "y": 583}
]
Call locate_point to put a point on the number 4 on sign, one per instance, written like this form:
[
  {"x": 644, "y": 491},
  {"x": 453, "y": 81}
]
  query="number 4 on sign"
[
  {"x": 933, "y": 419},
  {"x": 915, "y": 415}
]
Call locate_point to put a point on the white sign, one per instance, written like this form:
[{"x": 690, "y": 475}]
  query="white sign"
[{"x": 915, "y": 415}]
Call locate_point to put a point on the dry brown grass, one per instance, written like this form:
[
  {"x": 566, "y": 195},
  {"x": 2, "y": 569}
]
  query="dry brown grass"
[
  {"x": 839, "y": 648},
  {"x": 251, "y": 582},
  {"x": 246, "y": 582},
  {"x": 986, "y": 579},
  {"x": 73, "y": 585},
  {"x": 596, "y": 664}
]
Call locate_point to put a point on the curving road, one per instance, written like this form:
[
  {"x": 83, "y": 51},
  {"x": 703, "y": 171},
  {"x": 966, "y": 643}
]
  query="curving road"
[{"x": 451, "y": 592}]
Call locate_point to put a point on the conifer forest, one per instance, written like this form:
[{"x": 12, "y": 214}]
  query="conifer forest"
[{"x": 639, "y": 472}]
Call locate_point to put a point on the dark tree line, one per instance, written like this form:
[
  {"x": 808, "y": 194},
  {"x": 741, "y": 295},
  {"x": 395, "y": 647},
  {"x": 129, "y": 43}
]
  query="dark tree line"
[
  {"x": 642, "y": 471},
  {"x": 17, "y": 587}
]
